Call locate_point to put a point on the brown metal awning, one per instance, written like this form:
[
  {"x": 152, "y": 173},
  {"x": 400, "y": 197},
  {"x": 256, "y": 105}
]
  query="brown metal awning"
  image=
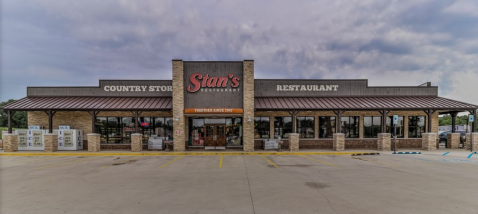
[
  {"x": 359, "y": 103},
  {"x": 90, "y": 103}
]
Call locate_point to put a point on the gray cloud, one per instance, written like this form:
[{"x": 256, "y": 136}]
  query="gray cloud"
[{"x": 388, "y": 42}]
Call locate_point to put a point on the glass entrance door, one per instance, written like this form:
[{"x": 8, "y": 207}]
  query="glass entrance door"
[{"x": 215, "y": 136}]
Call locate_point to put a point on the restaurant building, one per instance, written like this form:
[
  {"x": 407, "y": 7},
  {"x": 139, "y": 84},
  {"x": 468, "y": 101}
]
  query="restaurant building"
[{"x": 219, "y": 105}]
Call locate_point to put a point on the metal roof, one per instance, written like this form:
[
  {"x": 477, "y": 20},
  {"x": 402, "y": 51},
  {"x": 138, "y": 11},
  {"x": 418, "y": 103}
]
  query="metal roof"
[
  {"x": 90, "y": 103},
  {"x": 359, "y": 103}
]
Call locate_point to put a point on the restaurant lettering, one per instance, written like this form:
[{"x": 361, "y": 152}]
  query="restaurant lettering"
[
  {"x": 199, "y": 81},
  {"x": 138, "y": 88},
  {"x": 307, "y": 87}
]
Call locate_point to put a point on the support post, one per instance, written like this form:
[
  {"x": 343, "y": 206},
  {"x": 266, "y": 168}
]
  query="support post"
[
  {"x": 384, "y": 114},
  {"x": 50, "y": 121},
  {"x": 294, "y": 120},
  {"x": 453, "y": 121},
  {"x": 429, "y": 113},
  {"x": 473, "y": 125},
  {"x": 9, "y": 113},
  {"x": 136, "y": 127},
  {"x": 338, "y": 122},
  {"x": 93, "y": 120}
]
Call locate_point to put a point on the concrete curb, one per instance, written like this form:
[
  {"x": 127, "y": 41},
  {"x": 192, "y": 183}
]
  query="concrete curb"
[
  {"x": 366, "y": 153},
  {"x": 180, "y": 153},
  {"x": 408, "y": 153}
]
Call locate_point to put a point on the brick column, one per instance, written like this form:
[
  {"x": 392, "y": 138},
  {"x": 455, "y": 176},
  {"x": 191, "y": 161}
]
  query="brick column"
[
  {"x": 453, "y": 141},
  {"x": 294, "y": 142},
  {"x": 339, "y": 142},
  {"x": 93, "y": 142},
  {"x": 178, "y": 106},
  {"x": 136, "y": 142},
  {"x": 10, "y": 142},
  {"x": 51, "y": 142},
  {"x": 475, "y": 141},
  {"x": 384, "y": 141},
  {"x": 429, "y": 141},
  {"x": 248, "y": 90}
]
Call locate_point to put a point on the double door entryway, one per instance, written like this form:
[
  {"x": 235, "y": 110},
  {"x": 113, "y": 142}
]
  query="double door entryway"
[{"x": 215, "y": 136}]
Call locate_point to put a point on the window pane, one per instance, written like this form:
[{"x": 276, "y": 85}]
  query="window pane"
[
  {"x": 282, "y": 127},
  {"x": 376, "y": 126},
  {"x": 261, "y": 127},
  {"x": 326, "y": 127},
  {"x": 145, "y": 128},
  {"x": 416, "y": 126},
  {"x": 168, "y": 128},
  {"x": 114, "y": 130},
  {"x": 400, "y": 126},
  {"x": 305, "y": 127},
  {"x": 159, "y": 126},
  {"x": 367, "y": 125},
  {"x": 128, "y": 129},
  {"x": 234, "y": 131},
  {"x": 100, "y": 125},
  {"x": 197, "y": 132}
]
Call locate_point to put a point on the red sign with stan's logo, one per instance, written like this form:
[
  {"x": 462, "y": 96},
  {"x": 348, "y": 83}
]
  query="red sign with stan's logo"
[{"x": 199, "y": 81}]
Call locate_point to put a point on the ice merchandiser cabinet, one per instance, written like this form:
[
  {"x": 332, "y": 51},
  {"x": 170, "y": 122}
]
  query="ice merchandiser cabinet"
[
  {"x": 70, "y": 139},
  {"x": 30, "y": 139}
]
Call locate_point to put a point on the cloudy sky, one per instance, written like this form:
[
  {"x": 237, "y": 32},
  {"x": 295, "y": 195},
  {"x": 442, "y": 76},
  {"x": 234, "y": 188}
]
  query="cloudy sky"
[{"x": 75, "y": 43}]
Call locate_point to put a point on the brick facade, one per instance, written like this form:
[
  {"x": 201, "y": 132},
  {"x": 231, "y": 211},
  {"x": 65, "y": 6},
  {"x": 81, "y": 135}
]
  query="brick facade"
[
  {"x": 248, "y": 89},
  {"x": 179, "y": 123}
]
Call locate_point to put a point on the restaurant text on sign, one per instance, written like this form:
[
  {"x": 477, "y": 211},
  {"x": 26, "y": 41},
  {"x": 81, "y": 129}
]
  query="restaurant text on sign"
[{"x": 307, "y": 87}]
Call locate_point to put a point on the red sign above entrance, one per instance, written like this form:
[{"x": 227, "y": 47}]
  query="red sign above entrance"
[
  {"x": 213, "y": 111},
  {"x": 211, "y": 82}
]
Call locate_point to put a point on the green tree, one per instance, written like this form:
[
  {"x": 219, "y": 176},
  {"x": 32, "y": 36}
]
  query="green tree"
[
  {"x": 460, "y": 120},
  {"x": 19, "y": 119}
]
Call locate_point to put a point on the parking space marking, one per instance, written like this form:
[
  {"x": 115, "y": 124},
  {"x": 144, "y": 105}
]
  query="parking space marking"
[
  {"x": 319, "y": 161},
  {"x": 220, "y": 162},
  {"x": 170, "y": 162},
  {"x": 269, "y": 161},
  {"x": 376, "y": 161},
  {"x": 85, "y": 159},
  {"x": 121, "y": 162},
  {"x": 446, "y": 153}
]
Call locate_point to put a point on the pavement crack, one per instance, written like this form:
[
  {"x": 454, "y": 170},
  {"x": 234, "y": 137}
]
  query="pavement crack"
[{"x": 250, "y": 192}]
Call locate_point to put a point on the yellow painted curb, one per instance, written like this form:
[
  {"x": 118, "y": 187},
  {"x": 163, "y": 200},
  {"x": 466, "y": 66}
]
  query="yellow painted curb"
[{"x": 178, "y": 153}]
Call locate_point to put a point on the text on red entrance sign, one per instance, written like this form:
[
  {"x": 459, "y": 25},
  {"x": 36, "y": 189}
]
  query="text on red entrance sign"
[{"x": 213, "y": 111}]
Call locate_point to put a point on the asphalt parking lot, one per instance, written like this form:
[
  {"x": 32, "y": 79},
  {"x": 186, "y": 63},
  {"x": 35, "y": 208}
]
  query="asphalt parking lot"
[{"x": 386, "y": 183}]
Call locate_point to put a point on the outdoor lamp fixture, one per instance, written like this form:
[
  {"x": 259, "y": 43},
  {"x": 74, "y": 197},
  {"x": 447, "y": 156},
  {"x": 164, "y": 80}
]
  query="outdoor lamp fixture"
[
  {"x": 177, "y": 119},
  {"x": 248, "y": 119}
]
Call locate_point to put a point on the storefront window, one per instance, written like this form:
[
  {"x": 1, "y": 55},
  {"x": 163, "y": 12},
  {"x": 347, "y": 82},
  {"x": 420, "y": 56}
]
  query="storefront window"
[
  {"x": 400, "y": 126},
  {"x": 416, "y": 126},
  {"x": 114, "y": 130},
  {"x": 234, "y": 131},
  {"x": 168, "y": 127},
  {"x": 350, "y": 126},
  {"x": 306, "y": 127},
  {"x": 145, "y": 127},
  {"x": 196, "y": 137},
  {"x": 326, "y": 127},
  {"x": 159, "y": 126},
  {"x": 261, "y": 127},
  {"x": 128, "y": 129},
  {"x": 282, "y": 127},
  {"x": 119, "y": 129},
  {"x": 100, "y": 125},
  {"x": 372, "y": 126}
]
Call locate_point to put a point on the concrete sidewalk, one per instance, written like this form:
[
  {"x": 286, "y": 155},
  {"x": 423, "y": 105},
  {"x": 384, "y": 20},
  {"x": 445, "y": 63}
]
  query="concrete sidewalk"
[{"x": 223, "y": 152}]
